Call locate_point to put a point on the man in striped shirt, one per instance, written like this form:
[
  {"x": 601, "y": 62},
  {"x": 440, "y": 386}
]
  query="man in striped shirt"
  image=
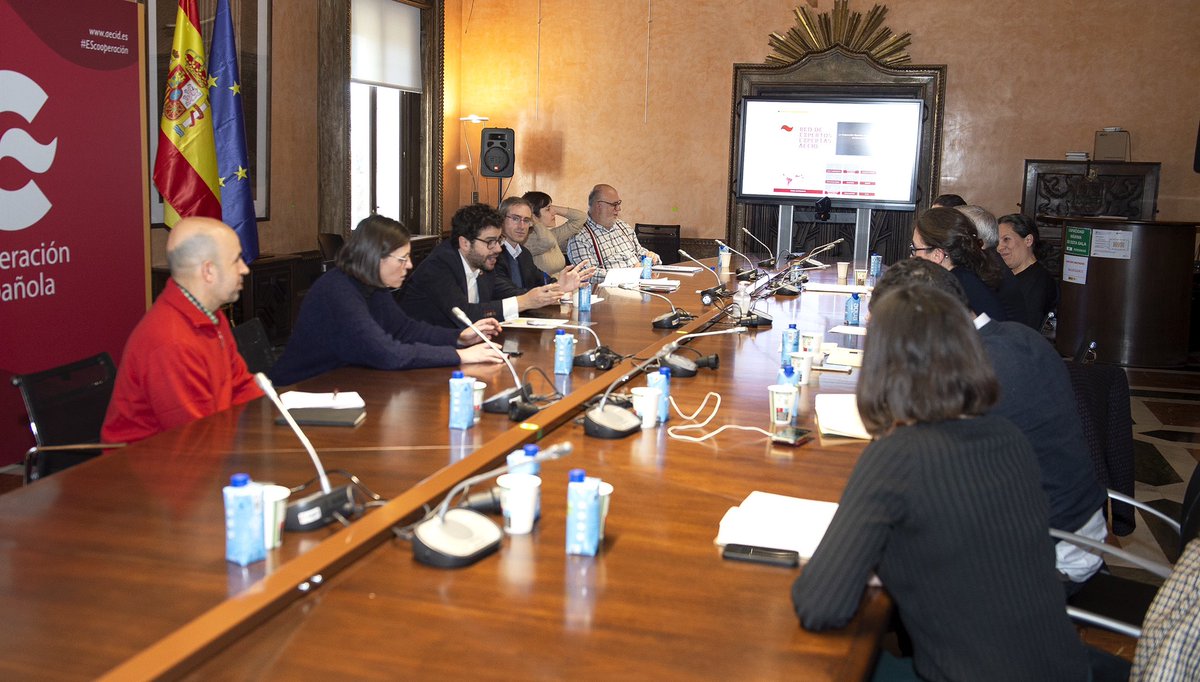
[{"x": 605, "y": 241}]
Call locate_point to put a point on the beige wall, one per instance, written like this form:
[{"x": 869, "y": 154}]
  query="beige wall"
[{"x": 1025, "y": 79}]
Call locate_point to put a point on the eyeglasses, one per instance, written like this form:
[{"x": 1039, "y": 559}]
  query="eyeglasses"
[
  {"x": 490, "y": 243},
  {"x": 399, "y": 259},
  {"x": 519, "y": 218},
  {"x": 913, "y": 249},
  {"x": 614, "y": 204}
]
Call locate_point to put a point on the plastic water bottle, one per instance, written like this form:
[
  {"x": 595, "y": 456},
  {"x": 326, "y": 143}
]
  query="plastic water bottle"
[
  {"x": 243, "y": 521},
  {"x": 789, "y": 345},
  {"x": 585, "y": 297},
  {"x": 787, "y": 375},
  {"x": 583, "y": 513},
  {"x": 662, "y": 381},
  {"x": 564, "y": 352},
  {"x": 519, "y": 461},
  {"x": 852, "y": 308},
  {"x": 647, "y": 268},
  {"x": 462, "y": 401},
  {"x": 723, "y": 257},
  {"x": 876, "y": 266}
]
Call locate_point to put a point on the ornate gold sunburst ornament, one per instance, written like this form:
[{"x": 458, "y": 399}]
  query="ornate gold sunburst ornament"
[{"x": 840, "y": 27}]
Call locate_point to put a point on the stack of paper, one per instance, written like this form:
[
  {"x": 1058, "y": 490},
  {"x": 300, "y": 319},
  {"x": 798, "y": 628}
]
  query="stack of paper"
[
  {"x": 778, "y": 522},
  {"x": 837, "y": 415},
  {"x": 678, "y": 269},
  {"x": 340, "y": 408}
]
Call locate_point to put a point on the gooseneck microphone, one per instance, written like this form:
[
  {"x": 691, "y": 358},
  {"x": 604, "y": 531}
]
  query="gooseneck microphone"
[
  {"x": 822, "y": 249},
  {"x": 320, "y": 508},
  {"x": 611, "y": 421},
  {"x": 453, "y": 538},
  {"x": 672, "y": 320},
  {"x": 503, "y": 401},
  {"x": 768, "y": 263},
  {"x": 742, "y": 274},
  {"x": 601, "y": 357},
  {"x": 707, "y": 295}
]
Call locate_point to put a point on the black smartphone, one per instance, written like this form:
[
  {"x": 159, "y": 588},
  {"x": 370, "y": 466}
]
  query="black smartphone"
[
  {"x": 790, "y": 435},
  {"x": 762, "y": 555}
]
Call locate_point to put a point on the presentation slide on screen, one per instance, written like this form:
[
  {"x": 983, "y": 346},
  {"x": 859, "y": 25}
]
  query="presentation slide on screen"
[{"x": 864, "y": 151}]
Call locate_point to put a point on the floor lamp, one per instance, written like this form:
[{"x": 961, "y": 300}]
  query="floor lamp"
[{"x": 469, "y": 166}]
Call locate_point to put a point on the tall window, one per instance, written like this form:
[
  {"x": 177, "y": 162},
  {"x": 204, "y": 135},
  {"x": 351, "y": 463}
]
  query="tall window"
[{"x": 385, "y": 101}]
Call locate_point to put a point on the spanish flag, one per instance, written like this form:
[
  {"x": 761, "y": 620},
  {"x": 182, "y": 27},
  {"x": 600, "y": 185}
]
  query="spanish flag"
[{"x": 185, "y": 170}]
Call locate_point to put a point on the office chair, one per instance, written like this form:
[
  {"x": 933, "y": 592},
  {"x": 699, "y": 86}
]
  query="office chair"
[
  {"x": 661, "y": 239},
  {"x": 330, "y": 244},
  {"x": 66, "y": 407},
  {"x": 254, "y": 346},
  {"x": 1102, "y": 399},
  {"x": 1121, "y": 604}
]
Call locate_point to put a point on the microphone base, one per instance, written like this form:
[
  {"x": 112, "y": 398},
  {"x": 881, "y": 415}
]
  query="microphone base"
[
  {"x": 755, "y": 320},
  {"x": 673, "y": 320},
  {"x": 681, "y": 367},
  {"x": 459, "y": 539},
  {"x": 610, "y": 421},
  {"x": 788, "y": 290},
  {"x": 746, "y": 275},
  {"x": 499, "y": 403},
  {"x": 601, "y": 357},
  {"x": 768, "y": 264},
  {"x": 316, "y": 510}
]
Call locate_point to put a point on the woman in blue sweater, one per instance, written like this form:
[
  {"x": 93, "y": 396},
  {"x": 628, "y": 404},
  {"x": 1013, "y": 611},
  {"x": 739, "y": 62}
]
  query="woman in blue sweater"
[
  {"x": 946, "y": 507},
  {"x": 349, "y": 316}
]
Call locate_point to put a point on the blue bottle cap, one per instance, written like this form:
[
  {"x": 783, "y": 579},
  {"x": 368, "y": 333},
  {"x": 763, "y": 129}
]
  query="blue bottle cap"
[
  {"x": 456, "y": 374},
  {"x": 560, "y": 332},
  {"x": 577, "y": 475},
  {"x": 792, "y": 325},
  {"x": 854, "y": 296},
  {"x": 789, "y": 370},
  {"x": 239, "y": 480},
  {"x": 531, "y": 450},
  {"x": 665, "y": 371}
]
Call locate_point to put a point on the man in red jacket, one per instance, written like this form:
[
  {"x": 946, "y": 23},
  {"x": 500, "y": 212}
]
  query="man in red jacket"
[{"x": 181, "y": 362}]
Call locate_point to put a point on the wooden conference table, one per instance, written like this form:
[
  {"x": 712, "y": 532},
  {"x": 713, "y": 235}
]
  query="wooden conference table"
[{"x": 118, "y": 565}]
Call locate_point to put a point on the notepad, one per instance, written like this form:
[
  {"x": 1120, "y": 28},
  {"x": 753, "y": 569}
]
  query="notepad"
[
  {"x": 343, "y": 408},
  {"x": 837, "y": 415},
  {"x": 777, "y": 521}
]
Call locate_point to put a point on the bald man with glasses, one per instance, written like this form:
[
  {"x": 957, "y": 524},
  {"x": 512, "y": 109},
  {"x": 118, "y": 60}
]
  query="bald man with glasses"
[
  {"x": 605, "y": 241},
  {"x": 459, "y": 273}
]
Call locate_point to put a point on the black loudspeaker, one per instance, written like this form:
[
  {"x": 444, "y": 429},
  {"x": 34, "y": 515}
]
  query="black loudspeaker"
[{"x": 496, "y": 155}]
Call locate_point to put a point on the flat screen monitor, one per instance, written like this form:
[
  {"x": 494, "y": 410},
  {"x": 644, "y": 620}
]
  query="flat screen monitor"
[{"x": 861, "y": 153}]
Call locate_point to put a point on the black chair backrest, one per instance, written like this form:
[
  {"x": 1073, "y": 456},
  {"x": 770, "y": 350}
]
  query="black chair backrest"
[
  {"x": 329, "y": 244},
  {"x": 661, "y": 239},
  {"x": 1102, "y": 399},
  {"x": 66, "y": 406},
  {"x": 254, "y": 346}
]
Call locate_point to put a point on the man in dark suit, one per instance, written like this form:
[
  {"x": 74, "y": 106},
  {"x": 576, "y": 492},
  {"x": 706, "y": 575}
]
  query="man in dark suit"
[
  {"x": 459, "y": 273},
  {"x": 516, "y": 262}
]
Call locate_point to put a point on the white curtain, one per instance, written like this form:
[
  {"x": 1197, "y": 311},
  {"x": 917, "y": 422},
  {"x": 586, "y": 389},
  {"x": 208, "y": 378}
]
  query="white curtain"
[{"x": 385, "y": 44}]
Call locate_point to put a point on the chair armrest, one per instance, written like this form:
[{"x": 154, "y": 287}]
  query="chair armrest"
[
  {"x": 32, "y": 453},
  {"x": 1154, "y": 567},
  {"x": 1122, "y": 497},
  {"x": 1105, "y": 622}
]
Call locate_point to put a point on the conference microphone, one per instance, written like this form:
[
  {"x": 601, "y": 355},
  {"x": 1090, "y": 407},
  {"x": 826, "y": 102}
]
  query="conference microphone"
[
  {"x": 322, "y": 507},
  {"x": 769, "y": 263},
  {"x": 453, "y": 538},
  {"x": 686, "y": 367},
  {"x": 822, "y": 249},
  {"x": 672, "y": 320},
  {"x": 707, "y": 295},
  {"x": 601, "y": 357},
  {"x": 515, "y": 400},
  {"x": 742, "y": 274}
]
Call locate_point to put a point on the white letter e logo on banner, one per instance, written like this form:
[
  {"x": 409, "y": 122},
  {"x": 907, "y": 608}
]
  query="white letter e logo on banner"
[{"x": 24, "y": 207}]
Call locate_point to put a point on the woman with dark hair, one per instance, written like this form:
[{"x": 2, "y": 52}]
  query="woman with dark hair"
[
  {"x": 1022, "y": 249},
  {"x": 945, "y": 506},
  {"x": 349, "y": 316},
  {"x": 948, "y": 238},
  {"x": 548, "y": 242}
]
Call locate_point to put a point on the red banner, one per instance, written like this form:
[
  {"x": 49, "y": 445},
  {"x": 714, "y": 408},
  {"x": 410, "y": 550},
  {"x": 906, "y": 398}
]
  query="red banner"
[{"x": 73, "y": 226}]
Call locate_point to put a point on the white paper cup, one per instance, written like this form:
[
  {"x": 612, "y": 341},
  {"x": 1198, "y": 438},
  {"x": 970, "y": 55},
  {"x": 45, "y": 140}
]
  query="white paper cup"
[
  {"x": 843, "y": 270},
  {"x": 811, "y": 341},
  {"x": 646, "y": 404},
  {"x": 274, "y": 511},
  {"x": 802, "y": 362},
  {"x": 860, "y": 276},
  {"x": 606, "y": 490},
  {"x": 480, "y": 387},
  {"x": 519, "y": 495},
  {"x": 783, "y": 403}
]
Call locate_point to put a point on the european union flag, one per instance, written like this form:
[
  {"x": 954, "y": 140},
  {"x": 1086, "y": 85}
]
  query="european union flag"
[{"x": 229, "y": 131}]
